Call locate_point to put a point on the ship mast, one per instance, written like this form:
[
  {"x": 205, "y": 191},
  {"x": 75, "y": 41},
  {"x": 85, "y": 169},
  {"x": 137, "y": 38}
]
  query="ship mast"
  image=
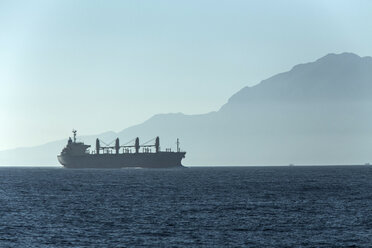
[
  {"x": 74, "y": 132},
  {"x": 178, "y": 145}
]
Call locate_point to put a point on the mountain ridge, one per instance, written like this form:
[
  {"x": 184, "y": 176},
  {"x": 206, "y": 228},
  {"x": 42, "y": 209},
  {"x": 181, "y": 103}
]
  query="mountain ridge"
[
  {"x": 317, "y": 112},
  {"x": 319, "y": 74}
]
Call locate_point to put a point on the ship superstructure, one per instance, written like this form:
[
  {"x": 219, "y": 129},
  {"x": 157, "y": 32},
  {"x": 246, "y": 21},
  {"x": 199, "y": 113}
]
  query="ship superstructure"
[{"x": 132, "y": 154}]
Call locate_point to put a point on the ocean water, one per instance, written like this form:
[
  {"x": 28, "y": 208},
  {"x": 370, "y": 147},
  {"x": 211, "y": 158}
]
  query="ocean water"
[{"x": 196, "y": 207}]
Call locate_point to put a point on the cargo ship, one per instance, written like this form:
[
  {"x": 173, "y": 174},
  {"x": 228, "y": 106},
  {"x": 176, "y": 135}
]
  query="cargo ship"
[{"x": 78, "y": 155}]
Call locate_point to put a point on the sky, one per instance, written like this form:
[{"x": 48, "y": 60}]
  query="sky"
[{"x": 101, "y": 66}]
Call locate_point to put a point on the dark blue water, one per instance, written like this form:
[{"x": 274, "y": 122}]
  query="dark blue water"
[{"x": 201, "y": 207}]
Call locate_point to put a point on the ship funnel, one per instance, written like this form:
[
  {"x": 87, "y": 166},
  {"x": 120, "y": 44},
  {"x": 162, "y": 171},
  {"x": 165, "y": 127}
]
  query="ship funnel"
[
  {"x": 117, "y": 145},
  {"x": 97, "y": 146},
  {"x": 157, "y": 144},
  {"x": 137, "y": 145}
]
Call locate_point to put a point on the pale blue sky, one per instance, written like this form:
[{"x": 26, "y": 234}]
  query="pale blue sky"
[{"x": 105, "y": 65}]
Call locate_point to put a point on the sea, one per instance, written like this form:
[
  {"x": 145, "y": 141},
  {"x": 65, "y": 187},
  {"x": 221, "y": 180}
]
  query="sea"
[{"x": 279, "y": 206}]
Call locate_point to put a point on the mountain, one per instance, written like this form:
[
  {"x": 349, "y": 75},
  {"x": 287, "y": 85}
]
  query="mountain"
[
  {"x": 342, "y": 77},
  {"x": 316, "y": 113}
]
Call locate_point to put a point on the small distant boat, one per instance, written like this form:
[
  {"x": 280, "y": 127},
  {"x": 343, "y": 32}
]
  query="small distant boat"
[
  {"x": 367, "y": 164},
  {"x": 291, "y": 165}
]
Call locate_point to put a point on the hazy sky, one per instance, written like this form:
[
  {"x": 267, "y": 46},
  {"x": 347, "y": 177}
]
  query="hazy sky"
[{"x": 105, "y": 65}]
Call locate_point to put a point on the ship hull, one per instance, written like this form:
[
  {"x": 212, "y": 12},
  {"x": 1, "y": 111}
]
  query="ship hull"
[{"x": 109, "y": 161}]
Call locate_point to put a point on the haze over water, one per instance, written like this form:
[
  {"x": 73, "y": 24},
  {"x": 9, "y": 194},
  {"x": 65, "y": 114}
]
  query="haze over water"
[{"x": 195, "y": 207}]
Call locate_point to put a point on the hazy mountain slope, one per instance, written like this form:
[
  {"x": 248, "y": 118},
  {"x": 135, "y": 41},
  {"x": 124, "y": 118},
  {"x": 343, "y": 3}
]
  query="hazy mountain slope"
[
  {"x": 316, "y": 113},
  {"x": 342, "y": 77}
]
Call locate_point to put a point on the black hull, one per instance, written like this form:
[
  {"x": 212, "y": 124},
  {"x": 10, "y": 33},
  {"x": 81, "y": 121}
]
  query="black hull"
[{"x": 109, "y": 161}]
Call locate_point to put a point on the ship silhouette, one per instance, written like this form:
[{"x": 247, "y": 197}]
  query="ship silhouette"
[{"x": 77, "y": 155}]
